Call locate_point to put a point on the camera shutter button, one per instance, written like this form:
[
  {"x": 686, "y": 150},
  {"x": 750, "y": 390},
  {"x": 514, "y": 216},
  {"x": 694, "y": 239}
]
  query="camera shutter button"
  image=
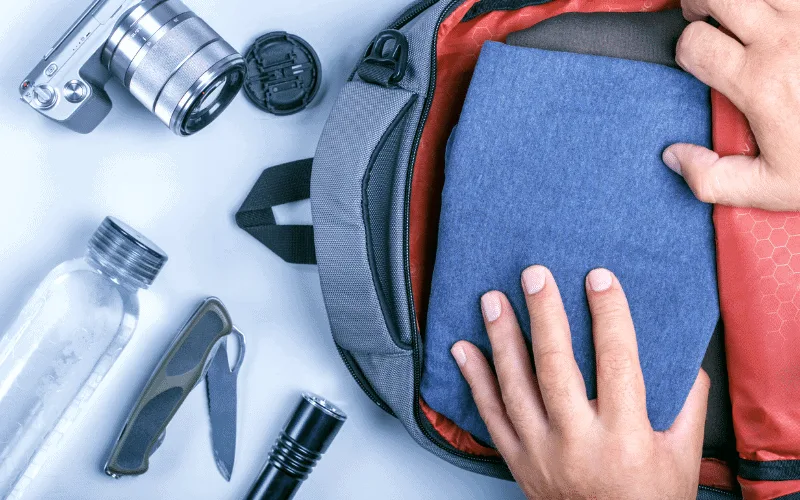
[
  {"x": 44, "y": 96},
  {"x": 74, "y": 91}
]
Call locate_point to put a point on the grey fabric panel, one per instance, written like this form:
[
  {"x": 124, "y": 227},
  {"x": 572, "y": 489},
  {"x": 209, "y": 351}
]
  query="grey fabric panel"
[
  {"x": 639, "y": 36},
  {"x": 355, "y": 315},
  {"x": 396, "y": 387},
  {"x": 361, "y": 116},
  {"x": 420, "y": 33},
  {"x": 383, "y": 210},
  {"x": 392, "y": 266},
  {"x": 335, "y": 172}
]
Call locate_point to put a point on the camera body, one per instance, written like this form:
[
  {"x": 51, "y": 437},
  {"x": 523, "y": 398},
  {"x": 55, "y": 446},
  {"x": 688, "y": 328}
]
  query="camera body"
[{"x": 164, "y": 54}]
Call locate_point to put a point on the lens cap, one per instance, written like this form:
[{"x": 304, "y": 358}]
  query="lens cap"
[{"x": 283, "y": 73}]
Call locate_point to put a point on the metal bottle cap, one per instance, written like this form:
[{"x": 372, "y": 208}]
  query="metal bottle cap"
[{"x": 121, "y": 248}]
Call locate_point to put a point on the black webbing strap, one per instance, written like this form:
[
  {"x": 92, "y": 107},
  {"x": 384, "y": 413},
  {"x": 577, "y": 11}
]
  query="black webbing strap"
[
  {"x": 278, "y": 185},
  {"x": 379, "y": 75},
  {"x": 774, "y": 470}
]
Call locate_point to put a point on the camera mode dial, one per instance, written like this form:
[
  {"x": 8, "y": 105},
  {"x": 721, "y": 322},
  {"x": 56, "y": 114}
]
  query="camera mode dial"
[{"x": 44, "y": 96}]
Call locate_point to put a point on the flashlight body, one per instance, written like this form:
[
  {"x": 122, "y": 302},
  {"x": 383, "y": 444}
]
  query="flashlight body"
[
  {"x": 306, "y": 436},
  {"x": 274, "y": 484}
]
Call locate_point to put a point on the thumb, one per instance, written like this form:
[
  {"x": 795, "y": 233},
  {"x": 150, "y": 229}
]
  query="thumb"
[
  {"x": 688, "y": 429},
  {"x": 731, "y": 180}
]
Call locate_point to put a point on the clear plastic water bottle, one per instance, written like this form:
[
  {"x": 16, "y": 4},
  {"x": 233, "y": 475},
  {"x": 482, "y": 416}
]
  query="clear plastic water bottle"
[{"x": 64, "y": 342}]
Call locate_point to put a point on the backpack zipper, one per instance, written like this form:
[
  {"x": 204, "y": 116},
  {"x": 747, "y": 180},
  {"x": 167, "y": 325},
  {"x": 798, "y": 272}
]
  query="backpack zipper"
[
  {"x": 412, "y": 12},
  {"x": 404, "y": 18},
  {"x": 409, "y": 14},
  {"x": 360, "y": 379},
  {"x": 424, "y": 425}
]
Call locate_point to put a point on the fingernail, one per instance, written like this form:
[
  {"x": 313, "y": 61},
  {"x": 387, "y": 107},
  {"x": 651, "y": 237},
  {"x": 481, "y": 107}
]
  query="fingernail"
[
  {"x": 533, "y": 279},
  {"x": 671, "y": 161},
  {"x": 600, "y": 280},
  {"x": 490, "y": 303},
  {"x": 458, "y": 353}
]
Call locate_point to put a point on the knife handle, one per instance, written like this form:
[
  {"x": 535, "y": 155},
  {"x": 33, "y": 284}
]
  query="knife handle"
[{"x": 178, "y": 373}]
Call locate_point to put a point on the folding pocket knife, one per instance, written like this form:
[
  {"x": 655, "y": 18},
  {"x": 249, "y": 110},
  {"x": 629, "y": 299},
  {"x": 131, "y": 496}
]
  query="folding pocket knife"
[{"x": 199, "y": 350}]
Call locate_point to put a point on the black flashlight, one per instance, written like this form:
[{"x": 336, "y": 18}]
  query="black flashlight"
[{"x": 304, "y": 439}]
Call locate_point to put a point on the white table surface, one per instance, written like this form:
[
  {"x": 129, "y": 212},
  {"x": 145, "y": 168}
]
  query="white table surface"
[{"x": 56, "y": 186}]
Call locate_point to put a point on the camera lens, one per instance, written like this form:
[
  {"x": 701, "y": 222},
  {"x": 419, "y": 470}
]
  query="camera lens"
[
  {"x": 174, "y": 64},
  {"x": 211, "y": 101}
]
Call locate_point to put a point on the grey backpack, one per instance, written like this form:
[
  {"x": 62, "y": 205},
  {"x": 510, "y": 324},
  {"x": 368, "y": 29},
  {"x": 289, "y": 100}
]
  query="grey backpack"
[{"x": 375, "y": 219}]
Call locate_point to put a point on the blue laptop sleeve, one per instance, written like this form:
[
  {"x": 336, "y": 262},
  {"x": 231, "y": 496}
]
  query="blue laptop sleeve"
[{"x": 557, "y": 161}]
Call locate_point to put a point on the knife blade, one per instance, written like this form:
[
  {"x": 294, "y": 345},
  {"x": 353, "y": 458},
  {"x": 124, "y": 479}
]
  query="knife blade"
[{"x": 221, "y": 382}]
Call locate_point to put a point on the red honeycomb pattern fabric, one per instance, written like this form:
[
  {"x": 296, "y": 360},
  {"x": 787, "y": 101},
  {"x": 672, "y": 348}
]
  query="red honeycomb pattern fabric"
[
  {"x": 775, "y": 243},
  {"x": 758, "y": 258}
]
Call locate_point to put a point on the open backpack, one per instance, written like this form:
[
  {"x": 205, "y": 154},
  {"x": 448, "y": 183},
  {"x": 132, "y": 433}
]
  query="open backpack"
[{"x": 375, "y": 186}]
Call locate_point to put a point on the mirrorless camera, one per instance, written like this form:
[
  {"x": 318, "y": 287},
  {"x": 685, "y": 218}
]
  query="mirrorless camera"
[{"x": 162, "y": 52}]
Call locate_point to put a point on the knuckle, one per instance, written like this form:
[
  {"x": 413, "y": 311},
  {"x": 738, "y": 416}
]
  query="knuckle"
[
  {"x": 573, "y": 439},
  {"x": 546, "y": 309},
  {"x": 767, "y": 95},
  {"x": 516, "y": 411},
  {"x": 702, "y": 50},
  {"x": 489, "y": 409},
  {"x": 692, "y": 9},
  {"x": 615, "y": 361},
  {"x": 516, "y": 408},
  {"x": 610, "y": 306},
  {"x": 484, "y": 396},
  {"x": 704, "y": 188},
  {"x": 702, "y": 156},
  {"x": 501, "y": 341},
  {"x": 687, "y": 47},
  {"x": 575, "y": 457},
  {"x": 786, "y": 41},
  {"x": 569, "y": 446},
  {"x": 553, "y": 378},
  {"x": 573, "y": 474},
  {"x": 630, "y": 455},
  {"x": 549, "y": 362}
]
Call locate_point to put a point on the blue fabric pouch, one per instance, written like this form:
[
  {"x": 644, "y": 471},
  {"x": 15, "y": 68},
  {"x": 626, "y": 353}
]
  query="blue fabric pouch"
[{"x": 557, "y": 161}]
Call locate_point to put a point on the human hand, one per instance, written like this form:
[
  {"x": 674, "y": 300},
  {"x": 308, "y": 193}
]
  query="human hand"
[
  {"x": 761, "y": 76},
  {"x": 557, "y": 443}
]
